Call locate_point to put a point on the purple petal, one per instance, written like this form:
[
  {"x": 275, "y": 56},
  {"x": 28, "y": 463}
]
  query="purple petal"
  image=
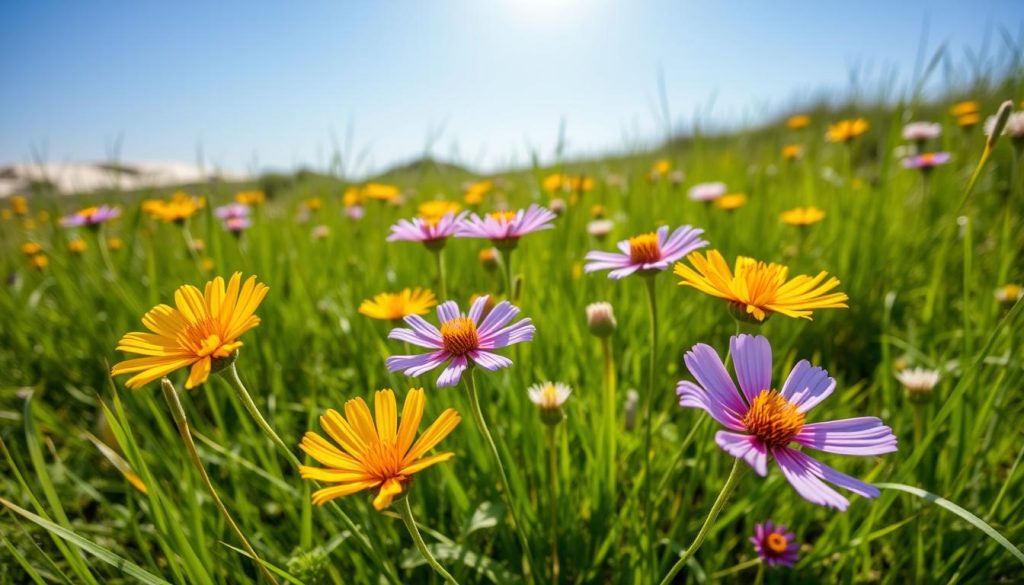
[
  {"x": 490, "y": 361},
  {"x": 477, "y": 308},
  {"x": 424, "y": 329},
  {"x": 805, "y": 481},
  {"x": 414, "y": 365},
  {"x": 807, "y": 385},
  {"x": 516, "y": 333},
  {"x": 453, "y": 373},
  {"x": 851, "y": 436},
  {"x": 623, "y": 272},
  {"x": 693, "y": 396},
  {"x": 706, "y": 367},
  {"x": 499, "y": 316},
  {"x": 414, "y": 338},
  {"x": 447, "y": 311},
  {"x": 745, "y": 447},
  {"x": 752, "y": 360}
]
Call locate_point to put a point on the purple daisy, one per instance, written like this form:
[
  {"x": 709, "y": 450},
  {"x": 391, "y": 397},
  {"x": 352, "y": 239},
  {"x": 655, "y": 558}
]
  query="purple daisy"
[
  {"x": 429, "y": 231},
  {"x": 762, "y": 422},
  {"x": 926, "y": 161},
  {"x": 461, "y": 339},
  {"x": 232, "y": 211},
  {"x": 504, "y": 228},
  {"x": 647, "y": 252},
  {"x": 774, "y": 545},
  {"x": 90, "y": 216}
]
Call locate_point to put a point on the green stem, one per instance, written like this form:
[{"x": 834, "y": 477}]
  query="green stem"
[
  {"x": 652, "y": 364},
  {"x": 405, "y": 511},
  {"x": 716, "y": 509},
  {"x": 442, "y": 285},
  {"x": 553, "y": 486},
  {"x": 171, "y": 396},
  {"x": 609, "y": 415},
  {"x": 506, "y": 490}
]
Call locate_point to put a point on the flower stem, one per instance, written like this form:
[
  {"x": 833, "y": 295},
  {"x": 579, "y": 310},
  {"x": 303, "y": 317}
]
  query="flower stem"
[
  {"x": 478, "y": 417},
  {"x": 652, "y": 364},
  {"x": 405, "y": 511},
  {"x": 442, "y": 285},
  {"x": 716, "y": 509},
  {"x": 553, "y": 486},
  {"x": 171, "y": 396},
  {"x": 609, "y": 415}
]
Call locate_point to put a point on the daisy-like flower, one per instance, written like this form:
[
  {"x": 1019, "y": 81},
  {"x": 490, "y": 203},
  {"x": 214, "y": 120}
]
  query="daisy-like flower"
[
  {"x": 234, "y": 217},
  {"x": 599, "y": 228},
  {"x": 437, "y": 209},
  {"x": 926, "y": 161},
  {"x": 763, "y": 422},
  {"x": 376, "y": 452},
  {"x": 731, "y": 202},
  {"x": 395, "y": 306},
  {"x": 965, "y": 108},
  {"x": 1006, "y": 294},
  {"x": 462, "y": 339},
  {"x": 473, "y": 193},
  {"x": 381, "y": 192},
  {"x": 707, "y": 192},
  {"x": 432, "y": 232},
  {"x": 115, "y": 244},
  {"x": 846, "y": 130},
  {"x": 91, "y": 217},
  {"x": 504, "y": 228},
  {"x": 918, "y": 382},
  {"x": 647, "y": 253},
  {"x": 660, "y": 168},
  {"x": 922, "y": 131},
  {"x": 968, "y": 121},
  {"x": 775, "y": 546},
  {"x": 179, "y": 208},
  {"x": 755, "y": 290},
  {"x": 792, "y": 151},
  {"x": 201, "y": 333},
  {"x": 31, "y": 248},
  {"x": 252, "y": 198},
  {"x": 802, "y": 216},
  {"x": 799, "y": 121},
  {"x": 77, "y": 246},
  {"x": 19, "y": 204},
  {"x": 549, "y": 395}
]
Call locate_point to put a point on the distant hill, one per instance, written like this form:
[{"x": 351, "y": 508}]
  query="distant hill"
[{"x": 89, "y": 177}]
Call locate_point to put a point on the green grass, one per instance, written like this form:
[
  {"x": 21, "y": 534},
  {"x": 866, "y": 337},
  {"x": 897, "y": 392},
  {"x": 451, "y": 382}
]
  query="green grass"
[{"x": 74, "y": 518}]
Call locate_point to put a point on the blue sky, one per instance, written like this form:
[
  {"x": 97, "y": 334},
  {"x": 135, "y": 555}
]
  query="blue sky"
[{"x": 275, "y": 85}]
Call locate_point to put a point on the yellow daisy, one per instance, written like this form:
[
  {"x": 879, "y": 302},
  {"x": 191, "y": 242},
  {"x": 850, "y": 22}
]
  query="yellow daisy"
[
  {"x": 380, "y": 192},
  {"x": 802, "y": 216},
  {"x": 77, "y": 246},
  {"x": 474, "y": 192},
  {"x": 757, "y": 289},
  {"x": 381, "y": 456},
  {"x": 965, "y": 108},
  {"x": 253, "y": 198},
  {"x": 395, "y": 306},
  {"x": 846, "y": 130},
  {"x": 200, "y": 333},
  {"x": 30, "y": 248},
  {"x": 731, "y": 202},
  {"x": 792, "y": 151},
  {"x": 435, "y": 210},
  {"x": 798, "y": 122},
  {"x": 180, "y": 207}
]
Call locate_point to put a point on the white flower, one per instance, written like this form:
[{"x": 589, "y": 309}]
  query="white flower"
[
  {"x": 706, "y": 192},
  {"x": 601, "y": 319},
  {"x": 918, "y": 380},
  {"x": 549, "y": 395},
  {"x": 1014, "y": 125},
  {"x": 920, "y": 131},
  {"x": 600, "y": 228}
]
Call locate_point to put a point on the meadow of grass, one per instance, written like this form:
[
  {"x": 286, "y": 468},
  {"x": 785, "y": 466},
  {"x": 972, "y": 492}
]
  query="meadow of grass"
[{"x": 99, "y": 488}]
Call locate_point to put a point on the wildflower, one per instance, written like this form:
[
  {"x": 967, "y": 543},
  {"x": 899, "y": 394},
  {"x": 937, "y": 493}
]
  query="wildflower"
[
  {"x": 489, "y": 259},
  {"x": 918, "y": 382},
  {"x": 462, "y": 339},
  {"x": 354, "y": 212},
  {"x": 320, "y": 232},
  {"x": 381, "y": 192},
  {"x": 201, "y": 333},
  {"x": 965, "y": 108},
  {"x": 208, "y": 264},
  {"x": 567, "y": 183},
  {"x": 763, "y": 422},
  {"x": 792, "y": 151},
  {"x": 661, "y": 168},
  {"x": 352, "y": 197},
  {"x": 252, "y": 198},
  {"x": 235, "y": 217},
  {"x": 927, "y": 161},
  {"x": 31, "y": 248},
  {"x": 39, "y": 261},
  {"x": 43, "y": 216},
  {"x": 676, "y": 178},
  {"x": 846, "y": 130},
  {"x": 197, "y": 245},
  {"x": 731, "y": 202},
  {"x": 379, "y": 456},
  {"x": 77, "y": 246},
  {"x": 395, "y": 306},
  {"x": 473, "y": 193},
  {"x": 757, "y": 290},
  {"x": 802, "y": 216},
  {"x": 91, "y": 217},
  {"x": 435, "y": 210},
  {"x": 433, "y": 233},
  {"x": 504, "y": 228},
  {"x": 601, "y": 319},
  {"x": 557, "y": 206},
  {"x": 549, "y": 398},
  {"x": 921, "y": 132},
  {"x": 19, "y": 205},
  {"x": 647, "y": 253},
  {"x": 1007, "y": 294},
  {"x": 600, "y": 228},
  {"x": 179, "y": 208},
  {"x": 774, "y": 545},
  {"x": 115, "y": 244},
  {"x": 313, "y": 204},
  {"x": 707, "y": 192},
  {"x": 799, "y": 121},
  {"x": 598, "y": 211}
]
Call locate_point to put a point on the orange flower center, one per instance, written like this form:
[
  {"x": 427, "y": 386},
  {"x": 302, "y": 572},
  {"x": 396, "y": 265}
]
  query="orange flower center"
[
  {"x": 776, "y": 543},
  {"x": 644, "y": 248},
  {"x": 503, "y": 216},
  {"x": 773, "y": 419},
  {"x": 459, "y": 336}
]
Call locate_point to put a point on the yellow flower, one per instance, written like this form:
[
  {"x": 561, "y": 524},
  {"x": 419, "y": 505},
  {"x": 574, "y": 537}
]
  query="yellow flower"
[
  {"x": 208, "y": 264},
  {"x": 30, "y": 248},
  {"x": 29, "y": 224},
  {"x": 569, "y": 183},
  {"x": 313, "y": 203},
  {"x": 1009, "y": 294},
  {"x": 489, "y": 259},
  {"x": 77, "y": 246},
  {"x": 39, "y": 261},
  {"x": 250, "y": 197},
  {"x": 965, "y": 108},
  {"x": 846, "y": 130},
  {"x": 180, "y": 207},
  {"x": 115, "y": 243},
  {"x": 731, "y": 202},
  {"x": 200, "y": 333},
  {"x": 552, "y": 183},
  {"x": 474, "y": 192},
  {"x": 661, "y": 168},
  {"x": 792, "y": 151},
  {"x": 43, "y": 216},
  {"x": 19, "y": 204},
  {"x": 6, "y": 214},
  {"x": 394, "y": 306},
  {"x": 597, "y": 211},
  {"x": 968, "y": 120},
  {"x": 380, "y": 192},
  {"x": 376, "y": 452},
  {"x": 802, "y": 216},
  {"x": 352, "y": 197},
  {"x": 435, "y": 210},
  {"x": 757, "y": 289},
  {"x": 798, "y": 122}
]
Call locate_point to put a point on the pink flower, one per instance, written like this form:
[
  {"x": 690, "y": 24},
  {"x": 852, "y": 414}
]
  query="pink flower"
[
  {"x": 504, "y": 228},
  {"x": 426, "y": 230},
  {"x": 647, "y": 252},
  {"x": 774, "y": 545}
]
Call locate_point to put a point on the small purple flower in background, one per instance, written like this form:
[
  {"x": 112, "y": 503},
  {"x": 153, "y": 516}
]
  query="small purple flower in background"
[
  {"x": 462, "y": 339},
  {"x": 774, "y": 545},
  {"x": 504, "y": 228},
  {"x": 707, "y": 192},
  {"x": 922, "y": 131},
  {"x": 762, "y": 422},
  {"x": 234, "y": 217},
  {"x": 926, "y": 161},
  {"x": 90, "y": 217},
  {"x": 429, "y": 231},
  {"x": 354, "y": 212},
  {"x": 647, "y": 252}
]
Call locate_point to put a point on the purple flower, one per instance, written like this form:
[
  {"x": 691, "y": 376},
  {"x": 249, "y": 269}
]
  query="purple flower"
[
  {"x": 90, "y": 216},
  {"x": 774, "y": 545},
  {"x": 504, "y": 228},
  {"x": 354, "y": 212},
  {"x": 926, "y": 161},
  {"x": 647, "y": 252},
  {"x": 762, "y": 422},
  {"x": 461, "y": 339},
  {"x": 232, "y": 211},
  {"x": 237, "y": 225},
  {"x": 707, "y": 192},
  {"x": 426, "y": 230}
]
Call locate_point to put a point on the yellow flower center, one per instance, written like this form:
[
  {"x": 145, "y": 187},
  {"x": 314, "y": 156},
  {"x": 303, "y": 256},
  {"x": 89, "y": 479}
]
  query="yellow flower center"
[
  {"x": 209, "y": 345},
  {"x": 549, "y": 396},
  {"x": 503, "y": 216},
  {"x": 644, "y": 248},
  {"x": 776, "y": 543},
  {"x": 773, "y": 419},
  {"x": 88, "y": 212},
  {"x": 459, "y": 336}
]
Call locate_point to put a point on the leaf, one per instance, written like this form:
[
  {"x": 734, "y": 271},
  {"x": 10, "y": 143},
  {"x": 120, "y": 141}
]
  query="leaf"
[
  {"x": 453, "y": 553},
  {"x": 487, "y": 515},
  {"x": 969, "y": 517},
  {"x": 105, "y": 555}
]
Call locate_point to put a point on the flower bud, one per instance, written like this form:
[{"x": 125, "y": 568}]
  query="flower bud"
[
  {"x": 1009, "y": 294},
  {"x": 489, "y": 259},
  {"x": 557, "y": 206},
  {"x": 918, "y": 383},
  {"x": 601, "y": 319},
  {"x": 632, "y": 399},
  {"x": 549, "y": 398}
]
